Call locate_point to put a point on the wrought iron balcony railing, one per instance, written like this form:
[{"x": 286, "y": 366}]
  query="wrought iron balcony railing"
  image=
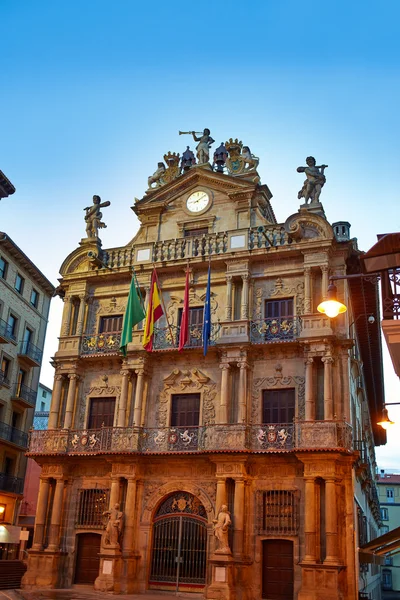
[
  {"x": 211, "y": 438},
  {"x": 284, "y": 329},
  {"x": 9, "y": 483},
  {"x": 29, "y": 350},
  {"x": 25, "y": 393},
  {"x": 13, "y": 435},
  {"x": 103, "y": 343},
  {"x": 167, "y": 338},
  {"x": 6, "y": 333},
  {"x": 3, "y": 379}
]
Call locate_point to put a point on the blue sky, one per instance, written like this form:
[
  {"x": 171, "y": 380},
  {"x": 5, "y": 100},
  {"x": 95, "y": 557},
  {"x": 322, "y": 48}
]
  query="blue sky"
[{"x": 94, "y": 93}]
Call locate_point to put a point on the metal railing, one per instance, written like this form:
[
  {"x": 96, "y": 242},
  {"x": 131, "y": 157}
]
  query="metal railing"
[
  {"x": 25, "y": 393},
  {"x": 284, "y": 329},
  {"x": 282, "y": 437},
  {"x": 29, "y": 349},
  {"x": 167, "y": 338},
  {"x": 103, "y": 343},
  {"x": 13, "y": 435},
  {"x": 390, "y": 289},
  {"x": 6, "y": 331},
  {"x": 3, "y": 379},
  {"x": 9, "y": 483}
]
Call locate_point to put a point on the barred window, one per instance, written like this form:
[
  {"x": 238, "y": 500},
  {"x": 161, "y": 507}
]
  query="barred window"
[
  {"x": 90, "y": 507},
  {"x": 279, "y": 512}
]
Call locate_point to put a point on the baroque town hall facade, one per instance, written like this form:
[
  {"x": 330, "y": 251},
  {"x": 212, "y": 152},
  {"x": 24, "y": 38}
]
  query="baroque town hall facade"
[{"x": 276, "y": 421}]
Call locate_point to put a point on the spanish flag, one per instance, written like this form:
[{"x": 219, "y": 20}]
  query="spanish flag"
[{"x": 154, "y": 312}]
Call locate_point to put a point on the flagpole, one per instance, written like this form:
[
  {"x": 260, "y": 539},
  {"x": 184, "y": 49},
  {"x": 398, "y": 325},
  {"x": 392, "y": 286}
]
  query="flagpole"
[
  {"x": 162, "y": 302},
  {"x": 138, "y": 287}
]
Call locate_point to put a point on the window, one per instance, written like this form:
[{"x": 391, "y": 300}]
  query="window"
[
  {"x": 386, "y": 579},
  {"x": 5, "y": 370},
  {"x": 9, "y": 464},
  {"x": 185, "y": 410},
  {"x": 390, "y": 495},
  {"x": 34, "y": 298},
  {"x": 195, "y": 326},
  {"x": 42, "y": 406},
  {"x": 101, "y": 413},
  {"x": 90, "y": 507},
  {"x": 384, "y": 529},
  {"x": 280, "y": 513},
  {"x": 278, "y": 406},
  {"x": 28, "y": 334},
  {"x": 279, "y": 309},
  {"x": 388, "y": 561},
  {"x": 111, "y": 324},
  {"x": 3, "y": 268},
  {"x": 196, "y": 232},
  {"x": 279, "y": 322},
  {"x": 12, "y": 324},
  {"x": 44, "y": 394},
  {"x": 19, "y": 283},
  {"x": 384, "y": 514}
]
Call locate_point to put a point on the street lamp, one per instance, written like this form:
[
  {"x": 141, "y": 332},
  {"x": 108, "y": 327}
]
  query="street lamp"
[
  {"x": 331, "y": 307},
  {"x": 386, "y": 422}
]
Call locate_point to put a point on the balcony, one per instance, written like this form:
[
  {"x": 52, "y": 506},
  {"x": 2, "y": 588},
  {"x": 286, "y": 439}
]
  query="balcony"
[
  {"x": 267, "y": 331},
  {"x": 31, "y": 354},
  {"x": 9, "y": 483},
  {"x": 4, "y": 379},
  {"x": 167, "y": 338},
  {"x": 6, "y": 334},
  {"x": 13, "y": 435},
  {"x": 278, "y": 437},
  {"x": 104, "y": 344},
  {"x": 24, "y": 395}
]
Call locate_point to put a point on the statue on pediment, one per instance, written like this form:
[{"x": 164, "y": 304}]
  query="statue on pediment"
[
  {"x": 93, "y": 217},
  {"x": 203, "y": 147},
  {"x": 314, "y": 183},
  {"x": 221, "y": 530},
  {"x": 156, "y": 180}
]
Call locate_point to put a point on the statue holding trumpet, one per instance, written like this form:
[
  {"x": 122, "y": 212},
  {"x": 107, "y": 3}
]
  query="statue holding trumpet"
[{"x": 203, "y": 147}]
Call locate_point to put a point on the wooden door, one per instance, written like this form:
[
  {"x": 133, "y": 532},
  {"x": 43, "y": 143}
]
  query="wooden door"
[
  {"x": 101, "y": 412},
  {"x": 87, "y": 559},
  {"x": 185, "y": 410},
  {"x": 277, "y": 573}
]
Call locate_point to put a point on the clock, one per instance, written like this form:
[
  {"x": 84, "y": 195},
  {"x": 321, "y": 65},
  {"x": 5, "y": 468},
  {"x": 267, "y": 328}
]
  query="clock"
[{"x": 198, "y": 201}]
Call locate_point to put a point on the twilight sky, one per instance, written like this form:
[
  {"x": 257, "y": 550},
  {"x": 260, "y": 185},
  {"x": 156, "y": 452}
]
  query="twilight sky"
[{"x": 93, "y": 94}]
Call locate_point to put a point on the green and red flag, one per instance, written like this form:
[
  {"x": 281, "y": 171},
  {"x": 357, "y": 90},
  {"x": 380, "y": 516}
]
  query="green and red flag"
[{"x": 133, "y": 315}]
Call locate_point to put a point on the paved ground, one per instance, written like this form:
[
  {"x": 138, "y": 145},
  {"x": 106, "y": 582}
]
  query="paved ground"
[{"x": 79, "y": 592}]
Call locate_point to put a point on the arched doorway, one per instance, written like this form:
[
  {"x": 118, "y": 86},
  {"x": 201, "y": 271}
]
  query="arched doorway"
[
  {"x": 179, "y": 549},
  {"x": 87, "y": 558},
  {"x": 277, "y": 572}
]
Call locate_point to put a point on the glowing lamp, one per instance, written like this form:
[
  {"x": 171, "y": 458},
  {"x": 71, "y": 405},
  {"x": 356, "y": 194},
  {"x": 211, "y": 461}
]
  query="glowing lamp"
[
  {"x": 2, "y": 511},
  {"x": 331, "y": 307},
  {"x": 385, "y": 422}
]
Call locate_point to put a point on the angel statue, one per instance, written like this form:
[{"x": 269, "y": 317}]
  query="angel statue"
[
  {"x": 314, "y": 183},
  {"x": 93, "y": 217}
]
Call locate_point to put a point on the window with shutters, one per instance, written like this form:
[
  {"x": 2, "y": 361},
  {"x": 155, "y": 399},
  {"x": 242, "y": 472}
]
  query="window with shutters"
[
  {"x": 279, "y": 309},
  {"x": 278, "y": 406},
  {"x": 111, "y": 324},
  {"x": 101, "y": 413},
  {"x": 185, "y": 410}
]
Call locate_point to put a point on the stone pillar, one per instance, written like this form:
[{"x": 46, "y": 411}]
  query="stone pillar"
[
  {"x": 223, "y": 409},
  {"x": 221, "y": 494},
  {"x": 67, "y": 314},
  {"x": 331, "y": 522},
  {"x": 228, "y": 307},
  {"x": 55, "y": 402},
  {"x": 121, "y": 420},
  {"x": 114, "y": 492},
  {"x": 69, "y": 411},
  {"x": 41, "y": 513},
  {"x": 242, "y": 412},
  {"x": 307, "y": 290},
  {"x": 137, "y": 415},
  {"x": 81, "y": 314},
  {"x": 245, "y": 297},
  {"x": 310, "y": 525},
  {"x": 328, "y": 398},
  {"x": 324, "y": 285},
  {"x": 345, "y": 408},
  {"x": 309, "y": 391},
  {"x": 238, "y": 514},
  {"x": 54, "y": 538},
  {"x": 129, "y": 525}
]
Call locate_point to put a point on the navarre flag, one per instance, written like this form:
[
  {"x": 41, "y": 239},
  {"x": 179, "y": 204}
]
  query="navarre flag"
[
  {"x": 184, "y": 330},
  {"x": 134, "y": 313},
  {"x": 207, "y": 314},
  {"x": 154, "y": 312}
]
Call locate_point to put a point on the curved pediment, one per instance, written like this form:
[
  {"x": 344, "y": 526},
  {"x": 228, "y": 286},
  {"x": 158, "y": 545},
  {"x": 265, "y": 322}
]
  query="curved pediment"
[{"x": 305, "y": 225}]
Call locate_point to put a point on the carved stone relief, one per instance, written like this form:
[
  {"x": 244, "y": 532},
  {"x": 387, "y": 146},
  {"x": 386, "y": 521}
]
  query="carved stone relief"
[{"x": 293, "y": 289}]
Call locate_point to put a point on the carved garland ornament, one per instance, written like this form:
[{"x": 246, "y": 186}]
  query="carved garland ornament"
[
  {"x": 279, "y": 381},
  {"x": 189, "y": 381},
  {"x": 294, "y": 289}
]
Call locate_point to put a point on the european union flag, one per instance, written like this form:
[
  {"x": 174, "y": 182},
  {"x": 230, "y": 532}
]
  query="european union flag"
[{"x": 207, "y": 315}]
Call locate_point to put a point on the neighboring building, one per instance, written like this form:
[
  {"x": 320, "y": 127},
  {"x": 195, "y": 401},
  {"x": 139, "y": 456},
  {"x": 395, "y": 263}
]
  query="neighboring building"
[
  {"x": 25, "y": 296},
  {"x": 277, "y": 421},
  {"x": 389, "y": 498},
  {"x": 6, "y": 187}
]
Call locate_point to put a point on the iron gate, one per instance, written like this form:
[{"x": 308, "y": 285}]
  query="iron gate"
[{"x": 179, "y": 552}]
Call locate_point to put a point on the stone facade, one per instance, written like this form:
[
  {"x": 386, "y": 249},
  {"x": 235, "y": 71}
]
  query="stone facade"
[{"x": 265, "y": 423}]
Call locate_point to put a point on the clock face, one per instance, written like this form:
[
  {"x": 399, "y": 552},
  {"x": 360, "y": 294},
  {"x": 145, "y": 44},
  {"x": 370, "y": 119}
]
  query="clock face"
[{"x": 198, "y": 201}]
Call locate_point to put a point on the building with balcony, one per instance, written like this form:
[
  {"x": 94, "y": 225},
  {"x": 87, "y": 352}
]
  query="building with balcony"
[
  {"x": 389, "y": 498},
  {"x": 276, "y": 422},
  {"x": 25, "y": 296}
]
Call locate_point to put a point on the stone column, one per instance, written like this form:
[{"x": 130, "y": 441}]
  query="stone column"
[
  {"x": 41, "y": 513},
  {"x": 129, "y": 526},
  {"x": 245, "y": 297},
  {"x": 309, "y": 391},
  {"x": 328, "y": 399},
  {"x": 331, "y": 522},
  {"x": 242, "y": 412},
  {"x": 55, "y": 402},
  {"x": 310, "y": 525},
  {"x": 238, "y": 513},
  {"x": 345, "y": 408},
  {"x": 307, "y": 290},
  {"x": 54, "y": 537},
  {"x": 69, "y": 411},
  {"x": 325, "y": 271},
  {"x": 81, "y": 314},
  {"x": 221, "y": 494},
  {"x": 137, "y": 415},
  {"x": 223, "y": 408},
  {"x": 123, "y": 400},
  {"x": 67, "y": 314},
  {"x": 114, "y": 491},
  {"x": 228, "y": 307}
]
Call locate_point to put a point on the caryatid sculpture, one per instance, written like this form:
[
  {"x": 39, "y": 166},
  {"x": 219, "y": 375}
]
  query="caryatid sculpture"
[
  {"x": 314, "y": 183},
  {"x": 114, "y": 527},
  {"x": 221, "y": 530},
  {"x": 203, "y": 147},
  {"x": 93, "y": 217}
]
